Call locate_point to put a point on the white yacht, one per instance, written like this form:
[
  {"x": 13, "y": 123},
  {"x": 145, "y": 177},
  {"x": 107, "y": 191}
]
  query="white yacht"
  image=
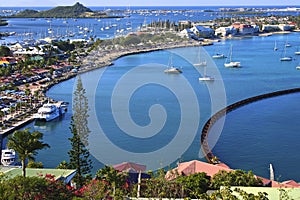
[
  {"x": 231, "y": 63},
  {"x": 49, "y": 112},
  {"x": 8, "y": 157}
]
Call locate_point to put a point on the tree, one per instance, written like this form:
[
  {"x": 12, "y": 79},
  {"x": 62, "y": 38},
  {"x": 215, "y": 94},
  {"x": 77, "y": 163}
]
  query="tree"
[
  {"x": 26, "y": 144},
  {"x": 115, "y": 180},
  {"x": 194, "y": 185},
  {"x": 235, "y": 178},
  {"x": 79, "y": 154},
  {"x": 38, "y": 188},
  {"x": 63, "y": 165},
  {"x": 5, "y": 51},
  {"x": 32, "y": 164}
]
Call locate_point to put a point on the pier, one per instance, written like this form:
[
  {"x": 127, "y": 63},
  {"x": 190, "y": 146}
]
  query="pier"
[{"x": 210, "y": 157}]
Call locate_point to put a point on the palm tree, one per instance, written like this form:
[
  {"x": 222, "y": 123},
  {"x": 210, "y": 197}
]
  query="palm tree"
[{"x": 26, "y": 145}]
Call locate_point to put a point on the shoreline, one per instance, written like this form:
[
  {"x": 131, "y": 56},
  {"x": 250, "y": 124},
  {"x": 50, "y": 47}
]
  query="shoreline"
[
  {"x": 105, "y": 58},
  {"x": 104, "y": 61},
  {"x": 209, "y": 156}
]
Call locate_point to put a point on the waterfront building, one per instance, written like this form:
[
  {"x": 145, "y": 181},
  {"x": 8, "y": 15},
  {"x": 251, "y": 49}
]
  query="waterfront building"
[
  {"x": 202, "y": 31},
  {"x": 186, "y": 33},
  {"x": 279, "y": 27},
  {"x": 246, "y": 29},
  {"x": 225, "y": 31}
]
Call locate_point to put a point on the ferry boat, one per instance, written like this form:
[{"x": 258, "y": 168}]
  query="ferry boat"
[
  {"x": 8, "y": 157},
  {"x": 50, "y": 111}
]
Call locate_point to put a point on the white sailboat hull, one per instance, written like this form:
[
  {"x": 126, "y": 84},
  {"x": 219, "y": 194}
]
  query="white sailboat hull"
[
  {"x": 232, "y": 64},
  {"x": 200, "y": 64},
  {"x": 206, "y": 78},
  {"x": 218, "y": 56},
  {"x": 173, "y": 70},
  {"x": 286, "y": 59}
]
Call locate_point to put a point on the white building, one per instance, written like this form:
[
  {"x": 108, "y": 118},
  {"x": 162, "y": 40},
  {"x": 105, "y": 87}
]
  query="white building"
[{"x": 225, "y": 31}]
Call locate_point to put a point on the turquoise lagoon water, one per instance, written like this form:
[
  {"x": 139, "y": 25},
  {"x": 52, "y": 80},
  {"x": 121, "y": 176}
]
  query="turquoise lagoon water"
[{"x": 253, "y": 136}]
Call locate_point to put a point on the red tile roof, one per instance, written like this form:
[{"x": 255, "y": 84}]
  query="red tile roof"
[
  {"x": 196, "y": 166},
  {"x": 128, "y": 166}
]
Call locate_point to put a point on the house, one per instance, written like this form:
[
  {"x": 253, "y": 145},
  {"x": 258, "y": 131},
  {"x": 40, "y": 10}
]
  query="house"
[
  {"x": 186, "y": 33},
  {"x": 196, "y": 166},
  {"x": 202, "y": 31},
  {"x": 134, "y": 171},
  {"x": 29, "y": 51},
  {"x": 8, "y": 60}
]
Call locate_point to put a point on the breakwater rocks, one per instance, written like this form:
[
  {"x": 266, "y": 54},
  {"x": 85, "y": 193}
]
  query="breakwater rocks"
[{"x": 210, "y": 157}]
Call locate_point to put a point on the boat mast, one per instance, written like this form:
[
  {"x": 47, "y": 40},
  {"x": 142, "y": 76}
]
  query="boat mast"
[{"x": 271, "y": 172}]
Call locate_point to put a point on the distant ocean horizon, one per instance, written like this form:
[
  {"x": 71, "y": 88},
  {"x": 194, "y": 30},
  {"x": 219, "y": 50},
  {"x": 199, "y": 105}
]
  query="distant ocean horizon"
[{"x": 213, "y": 7}]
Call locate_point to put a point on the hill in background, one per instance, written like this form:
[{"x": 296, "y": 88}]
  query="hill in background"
[{"x": 77, "y": 10}]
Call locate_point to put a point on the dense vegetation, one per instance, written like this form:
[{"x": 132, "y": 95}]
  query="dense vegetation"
[
  {"x": 3, "y": 23},
  {"x": 38, "y": 188}
]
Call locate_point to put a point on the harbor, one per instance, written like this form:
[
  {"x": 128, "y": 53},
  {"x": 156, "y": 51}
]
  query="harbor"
[{"x": 260, "y": 65}]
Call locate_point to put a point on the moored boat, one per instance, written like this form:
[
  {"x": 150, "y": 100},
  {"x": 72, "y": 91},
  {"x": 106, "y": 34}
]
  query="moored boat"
[
  {"x": 8, "y": 157},
  {"x": 50, "y": 111},
  {"x": 231, "y": 63},
  {"x": 218, "y": 55},
  {"x": 171, "y": 69}
]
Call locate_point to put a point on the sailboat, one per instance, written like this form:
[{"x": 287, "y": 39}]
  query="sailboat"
[
  {"x": 298, "y": 67},
  {"x": 285, "y": 58},
  {"x": 218, "y": 55},
  {"x": 171, "y": 69},
  {"x": 200, "y": 63},
  {"x": 297, "y": 52},
  {"x": 205, "y": 77},
  {"x": 231, "y": 63},
  {"x": 275, "y": 46}
]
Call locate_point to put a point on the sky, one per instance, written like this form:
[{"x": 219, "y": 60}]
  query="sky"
[{"x": 90, "y": 3}]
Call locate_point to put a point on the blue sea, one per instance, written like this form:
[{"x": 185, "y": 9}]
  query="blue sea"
[
  {"x": 39, "y": 28},
  {"x": 138, "y": 113}
]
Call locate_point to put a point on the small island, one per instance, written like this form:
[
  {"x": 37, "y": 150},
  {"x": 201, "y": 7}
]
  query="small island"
[{"x": 75, "y": 11}]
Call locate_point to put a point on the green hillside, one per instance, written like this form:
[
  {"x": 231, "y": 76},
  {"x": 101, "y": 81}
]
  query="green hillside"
[{"x": 77, "y": 10}]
